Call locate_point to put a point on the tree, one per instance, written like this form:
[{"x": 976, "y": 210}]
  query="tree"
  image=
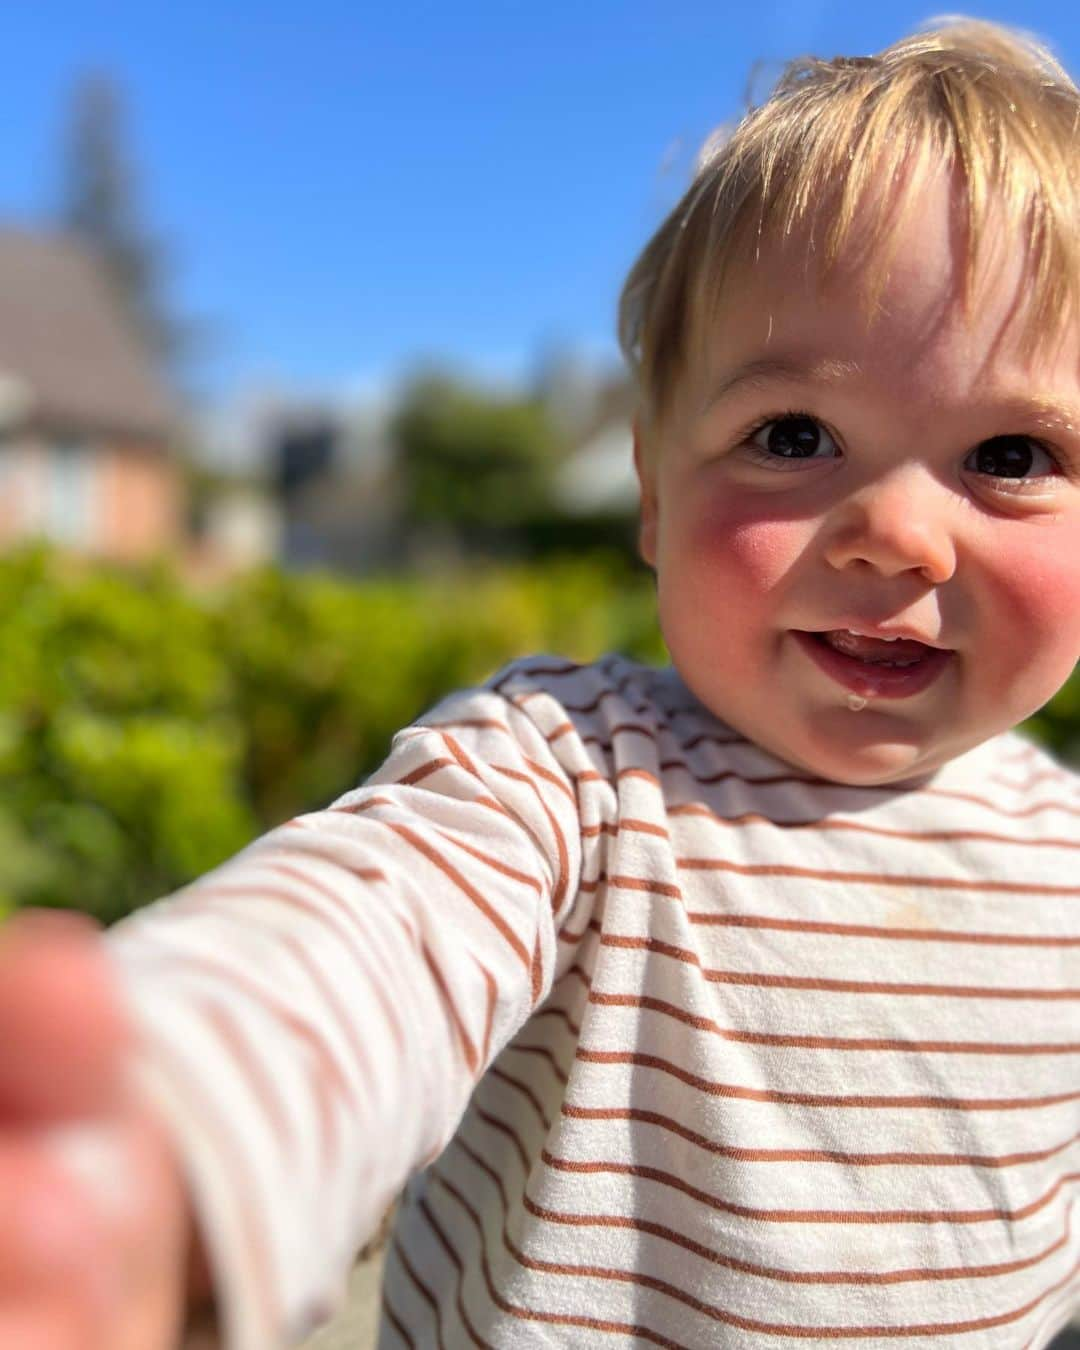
[
  {"x": 99, "y": 206},
  {"x": 472, "y": 461}
]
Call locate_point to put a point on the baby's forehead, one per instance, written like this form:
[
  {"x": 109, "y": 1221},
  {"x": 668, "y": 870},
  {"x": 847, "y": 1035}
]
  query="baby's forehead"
[
  {"x": 782, "y": 324},
  {"x": 911, "y": 259}
]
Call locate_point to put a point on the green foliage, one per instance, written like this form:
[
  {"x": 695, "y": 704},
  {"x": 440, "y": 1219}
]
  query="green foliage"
[
  {"x": 469, "y": 460},
  {"x": 120, "y": 748},
  {"x": 148, "y": 733},
  {"x": 1057, "y": 726}
]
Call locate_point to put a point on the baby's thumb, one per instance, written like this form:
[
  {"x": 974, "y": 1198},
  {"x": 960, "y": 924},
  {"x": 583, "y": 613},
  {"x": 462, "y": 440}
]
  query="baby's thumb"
[{"x": 63, "y": 1032}]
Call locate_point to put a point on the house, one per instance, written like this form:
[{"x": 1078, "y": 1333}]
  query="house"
[
  {"x": 597, "y": 477},
  {"x": 86, "y": 423},
  {"x": 334, "y": 478}
]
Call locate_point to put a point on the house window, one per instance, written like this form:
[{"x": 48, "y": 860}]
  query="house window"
[{"x": 69, "y": 494}]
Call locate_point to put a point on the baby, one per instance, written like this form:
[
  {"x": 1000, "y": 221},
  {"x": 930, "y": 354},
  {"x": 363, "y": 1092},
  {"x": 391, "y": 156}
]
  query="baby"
[{"x": 736, "y": 1003}]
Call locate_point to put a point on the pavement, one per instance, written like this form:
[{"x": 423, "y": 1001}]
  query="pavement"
[{"x": 355, "y": 1327}]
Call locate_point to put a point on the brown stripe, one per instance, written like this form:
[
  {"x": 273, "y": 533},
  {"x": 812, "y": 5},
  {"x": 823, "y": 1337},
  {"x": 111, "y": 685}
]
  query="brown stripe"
[
  {"x": 1033, "y": 779},
  {"x": 489, "y": 1019},
  {"x": 859, "y": 827},
  {"x": 388, "y": 1313},
  {"x": 554, "y": 779},
  {"x": 518, "y": 820},
  {"x": 859, "y": 1278},
  {"x": 504, "y": 1129},
  {"x": 541, "y": 1052},
  {"x": 813, "y": 1155},
  {"x": 615, "y": 691},
  {"x": 678, "y": 1183},
  {"x": 529, "y": 1314},
  {"x": 855, "y": 1101},
  {"x": 525, "y": 1090},
  {"x": 536, "y": 972},
  {"x": 456, "y": 1261},
  {"x": 347, "y": 932},
  {"x": 418, "y": 774},
  {"x": 562, "y": 1015},
  {"x": 773, "y": 780},
  {"x": 874, "y": 878},
  {"x": 253, "y": 1071},
  {"x": 589, "y": 776},
  {"x": 854, "y": 1043},
  {"x": 819, "y": 984},
  {"x": 460, "y": 756},
  {"x": 648, "y": 884},
  {"x": 345, "y": 1021},
  {"x": 468, "y": 1050},
  {"x": 563, "y": 880},
  {"x": 879, "y": 931},
  {"x": 492, "y": 804},
  {"x": 496, "y": 864},
  {"x": 616, "y": 827},
  {"x": 474, "y": 723},
  {"x": 640, "y": 1279},
  {"x": 251, "y": 1198},
  {"x": 358, "y": 808},
  {"x": 438, "y": 861},
  {"x": 826, "y": 1216},
  {"x": 523, "y": 668},
  {"x": 297, "y": 1026},
  {"x": 424, "y": 1291},
  {"x": 633, "y": 728},
  {"x": 644, "y": 706},
  {"x": 708, "y": 738}
]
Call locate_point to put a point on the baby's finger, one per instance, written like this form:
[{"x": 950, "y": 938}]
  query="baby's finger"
[
  {"x": 65, "y": 1032},
  {"x": 48, "y": 1235},
  {"x": 42, "y": 1326}
]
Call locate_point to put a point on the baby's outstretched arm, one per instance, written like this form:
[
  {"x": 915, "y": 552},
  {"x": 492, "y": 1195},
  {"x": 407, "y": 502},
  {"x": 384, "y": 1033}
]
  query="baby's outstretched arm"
[
  {"x": 95, "y": 1229},
  {"x": 309, "y": 1020}
]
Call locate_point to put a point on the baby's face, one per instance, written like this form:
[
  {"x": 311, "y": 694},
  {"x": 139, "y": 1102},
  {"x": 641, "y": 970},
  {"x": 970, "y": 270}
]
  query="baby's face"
[{"x": 915, "y": 478}]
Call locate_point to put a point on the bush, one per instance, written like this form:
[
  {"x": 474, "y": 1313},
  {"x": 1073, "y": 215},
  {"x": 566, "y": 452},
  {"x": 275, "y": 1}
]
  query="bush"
[{"x": 147, "y": 733}]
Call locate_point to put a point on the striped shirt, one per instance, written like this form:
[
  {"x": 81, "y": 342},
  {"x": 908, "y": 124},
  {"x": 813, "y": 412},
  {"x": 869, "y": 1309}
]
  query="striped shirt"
[{"x": 674, "y": 1044}]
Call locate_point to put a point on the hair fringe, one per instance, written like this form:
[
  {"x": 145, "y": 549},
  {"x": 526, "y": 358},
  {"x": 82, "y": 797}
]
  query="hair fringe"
[{"x": 992, "y": 101}]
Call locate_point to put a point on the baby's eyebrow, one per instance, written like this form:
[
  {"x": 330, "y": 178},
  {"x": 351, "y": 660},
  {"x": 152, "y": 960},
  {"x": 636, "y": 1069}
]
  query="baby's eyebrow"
[
  {"x": 1042, "y": 412},
  {"x": 792, "y": 368}
]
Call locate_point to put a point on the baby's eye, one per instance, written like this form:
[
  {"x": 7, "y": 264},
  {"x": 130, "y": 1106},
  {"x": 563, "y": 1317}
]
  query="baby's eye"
[
  {"x": 796, "y": 436},
  {"x": 1011, "y": 457}
]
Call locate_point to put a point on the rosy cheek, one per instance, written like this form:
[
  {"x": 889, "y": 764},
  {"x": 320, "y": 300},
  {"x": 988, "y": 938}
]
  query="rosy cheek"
[
  {"x": 755, "y": 550},
  {"x": 1038, "y": 591}
]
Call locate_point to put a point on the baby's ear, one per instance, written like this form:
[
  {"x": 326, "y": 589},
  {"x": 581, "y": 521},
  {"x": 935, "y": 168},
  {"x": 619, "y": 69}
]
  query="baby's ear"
[{"x": 645, "y": 465}]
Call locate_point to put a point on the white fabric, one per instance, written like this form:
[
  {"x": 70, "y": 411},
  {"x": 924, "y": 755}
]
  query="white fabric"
[{"x": 696, "y": 1051}]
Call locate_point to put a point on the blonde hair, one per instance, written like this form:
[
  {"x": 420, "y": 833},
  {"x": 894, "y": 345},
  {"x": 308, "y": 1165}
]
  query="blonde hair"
[{"x": 991, "y": 103}]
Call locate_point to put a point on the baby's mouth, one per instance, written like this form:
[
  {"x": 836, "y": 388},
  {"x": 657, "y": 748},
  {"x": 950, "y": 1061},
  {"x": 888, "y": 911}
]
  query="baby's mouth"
[
  {"x": 896, "y": 653},
  {"x": 875, "y": 667}
]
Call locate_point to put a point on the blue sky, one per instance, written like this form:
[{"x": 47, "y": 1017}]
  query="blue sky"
[{"x": 351, "y": 187}]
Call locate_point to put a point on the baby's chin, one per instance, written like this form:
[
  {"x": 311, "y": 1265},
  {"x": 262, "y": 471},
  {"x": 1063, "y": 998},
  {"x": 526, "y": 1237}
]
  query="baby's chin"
[{"x": 862, "y": 754}]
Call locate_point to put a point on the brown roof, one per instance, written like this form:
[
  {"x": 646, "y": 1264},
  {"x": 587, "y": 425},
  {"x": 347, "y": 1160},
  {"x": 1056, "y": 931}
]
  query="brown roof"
[{"x": 65, "y": 335}]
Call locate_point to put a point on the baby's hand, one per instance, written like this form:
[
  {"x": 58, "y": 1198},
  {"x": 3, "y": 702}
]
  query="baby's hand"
[{"x": 94, "y": 1221}]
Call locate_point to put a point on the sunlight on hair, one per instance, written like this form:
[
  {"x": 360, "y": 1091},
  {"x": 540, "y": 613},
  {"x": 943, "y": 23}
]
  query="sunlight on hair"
[{"x": 991, "y": 103}]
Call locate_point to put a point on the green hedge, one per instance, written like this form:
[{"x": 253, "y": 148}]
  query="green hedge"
[{"x": 148, "y": 732}]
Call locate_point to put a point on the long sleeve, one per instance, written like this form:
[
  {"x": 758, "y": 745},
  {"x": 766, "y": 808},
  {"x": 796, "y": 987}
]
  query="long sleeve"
[{"x": 314, "y": 1014}]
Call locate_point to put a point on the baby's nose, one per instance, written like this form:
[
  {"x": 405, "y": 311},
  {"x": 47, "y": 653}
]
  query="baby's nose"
[{"x": 894, "y": 525}]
